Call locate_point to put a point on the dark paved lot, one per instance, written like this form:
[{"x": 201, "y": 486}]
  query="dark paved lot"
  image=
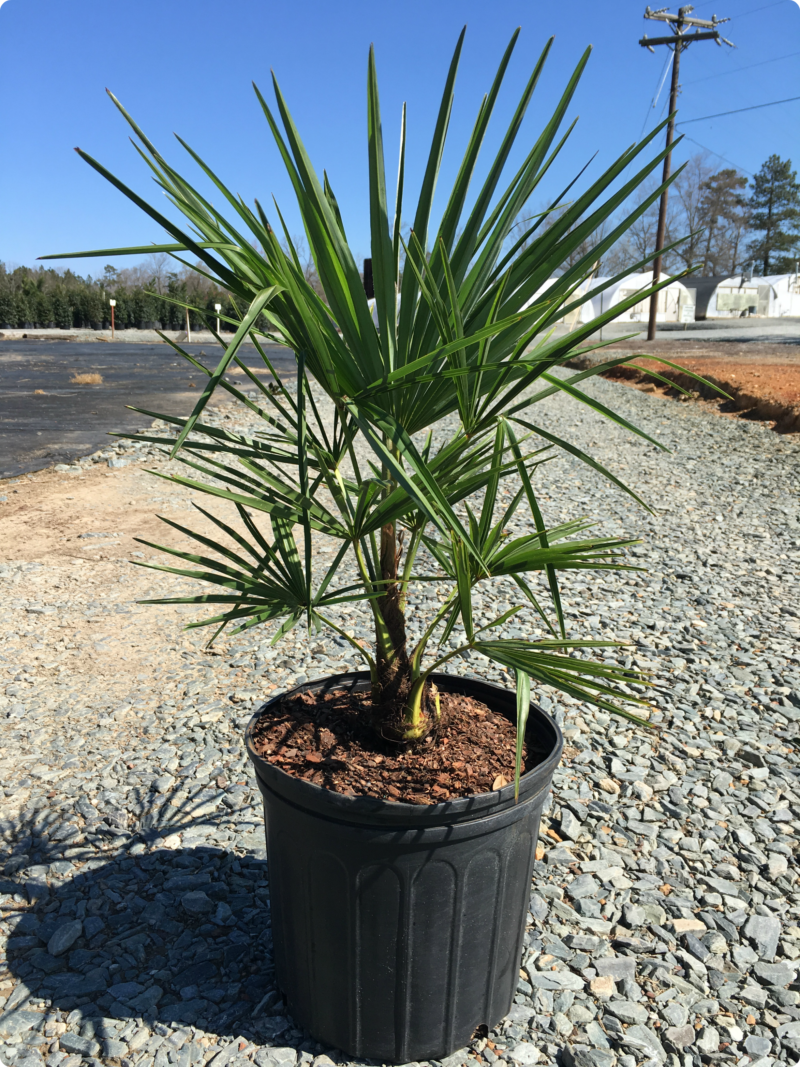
[{"x": 65, "y": 421}]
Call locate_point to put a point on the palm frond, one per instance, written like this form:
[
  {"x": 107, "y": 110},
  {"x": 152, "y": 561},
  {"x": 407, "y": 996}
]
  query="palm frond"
[{"x": 464, "y": 329}]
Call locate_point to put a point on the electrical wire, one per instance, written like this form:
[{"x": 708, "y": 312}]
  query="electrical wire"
[
  {"x": 738, "y": 110},
  {"x": 653, "y": 102},
  {"x": 739, "y": 14},
  {"x": 713, "y": 153},
  {"x": 670, "y": 56},
  {"x": 736, "y": 70}
]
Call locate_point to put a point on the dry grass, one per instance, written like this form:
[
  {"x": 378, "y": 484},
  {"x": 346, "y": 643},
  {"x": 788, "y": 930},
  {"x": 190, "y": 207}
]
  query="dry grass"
[
  {"x": 87, "y": 379},
  {"x": 38, "y": 392}
]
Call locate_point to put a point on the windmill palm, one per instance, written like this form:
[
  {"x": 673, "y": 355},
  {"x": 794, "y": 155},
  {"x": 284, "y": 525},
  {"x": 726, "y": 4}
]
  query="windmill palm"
[{"x": 462, "y": 327}]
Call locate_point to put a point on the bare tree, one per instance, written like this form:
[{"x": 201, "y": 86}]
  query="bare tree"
[
  {"x": 737, "y": 229},
  {"x": 690, "y": 217},
  {"x": 639, "y": 241},
  {"x": 519, "y": 236},
  {"x": 618, "y": 259},
  {"x": 705, "y": 213},
  {"x": 157, "y": 265},
  {"x": 135, "y": 276}
]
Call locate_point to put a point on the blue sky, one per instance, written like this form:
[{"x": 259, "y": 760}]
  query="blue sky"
[{"x": 186, "y": 66}]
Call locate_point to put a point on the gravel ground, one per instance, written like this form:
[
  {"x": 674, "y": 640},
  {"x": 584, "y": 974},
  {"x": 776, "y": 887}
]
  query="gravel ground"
[{"x": 664, "y": 921}]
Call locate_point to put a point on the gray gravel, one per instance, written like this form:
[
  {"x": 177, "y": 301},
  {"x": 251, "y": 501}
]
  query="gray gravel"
[{"x": 664, "y": 921}]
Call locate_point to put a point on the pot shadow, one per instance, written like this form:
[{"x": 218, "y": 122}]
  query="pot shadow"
[{"x": 177, "y": 934}]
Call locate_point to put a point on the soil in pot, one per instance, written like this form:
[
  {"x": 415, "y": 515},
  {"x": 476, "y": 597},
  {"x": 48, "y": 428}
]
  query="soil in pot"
[{"x": 331, "y": 739}]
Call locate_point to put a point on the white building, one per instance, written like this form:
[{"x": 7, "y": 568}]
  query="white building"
[
  {"x": 731, "y": 297},
  {"x": 724, "y": 297},
  {"x": 741, "y": 296},
  {"x": 671, "y": 299},
  {"x": 785, "y": 297}
]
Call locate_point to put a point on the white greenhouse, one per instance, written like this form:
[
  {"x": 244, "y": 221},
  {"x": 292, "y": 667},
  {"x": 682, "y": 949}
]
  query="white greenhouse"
[
  {"x": 776, "y": 296},
  {"x": 741, "y": 296},
  {"x": 785, "y": 296},
  {"x": 671, "y": 299}
]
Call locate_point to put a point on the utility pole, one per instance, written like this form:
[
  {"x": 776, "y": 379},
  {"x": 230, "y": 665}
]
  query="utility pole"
[{"x": 679, "y": 41}]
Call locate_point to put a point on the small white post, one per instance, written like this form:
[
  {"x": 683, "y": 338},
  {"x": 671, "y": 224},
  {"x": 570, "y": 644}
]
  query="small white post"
[
  {"x": 112, "y": 305},
  {"x": 218, "y": 308}
]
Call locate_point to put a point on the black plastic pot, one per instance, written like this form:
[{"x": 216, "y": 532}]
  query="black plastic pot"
[{"x": 398, "y": 928}]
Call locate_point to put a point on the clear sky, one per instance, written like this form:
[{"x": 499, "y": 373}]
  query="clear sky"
[{"x": 187, "y": 65}]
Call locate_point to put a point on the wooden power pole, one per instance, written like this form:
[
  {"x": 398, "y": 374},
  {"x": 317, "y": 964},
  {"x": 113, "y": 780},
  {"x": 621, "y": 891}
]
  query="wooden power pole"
[{"x": 679, "y": 40}]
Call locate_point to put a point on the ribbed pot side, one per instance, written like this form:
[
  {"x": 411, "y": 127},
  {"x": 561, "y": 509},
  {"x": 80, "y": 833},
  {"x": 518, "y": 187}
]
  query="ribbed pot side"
[{"x": 397, "y": 928}]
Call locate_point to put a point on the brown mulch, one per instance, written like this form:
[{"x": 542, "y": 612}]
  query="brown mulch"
[
  {"x": 332, "y": 742},
  {"x": 763, "y": 379}
]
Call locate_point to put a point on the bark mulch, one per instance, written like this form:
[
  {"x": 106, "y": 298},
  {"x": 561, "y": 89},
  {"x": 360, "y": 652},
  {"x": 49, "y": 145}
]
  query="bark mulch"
[{"x": 332, "y": 740}]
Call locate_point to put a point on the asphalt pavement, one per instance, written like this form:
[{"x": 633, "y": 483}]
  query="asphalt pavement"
[{"x": 46, "y": 418}]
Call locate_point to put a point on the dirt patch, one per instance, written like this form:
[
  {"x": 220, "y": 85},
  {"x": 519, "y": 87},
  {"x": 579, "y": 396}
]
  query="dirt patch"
[
  {"x": 56, "y": 516},
  {"x": 77, "y": 532},
  {"x": 762, "y": 380},
  {"x": 333, "y": 743}
]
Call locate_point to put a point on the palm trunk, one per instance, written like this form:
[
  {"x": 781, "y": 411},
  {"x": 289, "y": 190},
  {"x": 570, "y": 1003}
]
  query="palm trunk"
[{"x": 394, "y": 669}]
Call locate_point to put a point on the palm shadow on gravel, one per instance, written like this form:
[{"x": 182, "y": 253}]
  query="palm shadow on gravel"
[{"x": 178, "y": 936}]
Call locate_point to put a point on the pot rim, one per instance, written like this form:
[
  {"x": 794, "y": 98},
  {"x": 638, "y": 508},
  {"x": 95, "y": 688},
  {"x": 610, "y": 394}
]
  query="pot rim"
[{"x": 395, "y": 814}]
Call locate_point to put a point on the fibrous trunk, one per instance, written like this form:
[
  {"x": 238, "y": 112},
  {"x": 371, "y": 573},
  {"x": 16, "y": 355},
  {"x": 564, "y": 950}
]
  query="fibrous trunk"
[{"x": 394, "y": 669}]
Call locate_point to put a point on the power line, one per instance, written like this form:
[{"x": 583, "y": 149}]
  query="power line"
[
  {"x": 736, "y": 70},
  {"x": 713, "y": 153},
  {"x": 753, "y": 10},
  {"x": 738, "y": 110},
  {"x": 750, "y": 11},
  {"x": 656, "y": 94}
]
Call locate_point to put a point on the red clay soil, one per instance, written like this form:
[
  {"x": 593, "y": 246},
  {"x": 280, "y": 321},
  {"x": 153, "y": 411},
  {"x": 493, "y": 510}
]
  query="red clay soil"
[
  {"x": 762, "y": 379},
  {"x": 333, "y": 743}
]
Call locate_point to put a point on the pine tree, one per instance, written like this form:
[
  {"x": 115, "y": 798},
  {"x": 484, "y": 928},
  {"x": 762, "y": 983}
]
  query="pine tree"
[
  {"x": 775, "y": 216},
  {"x": 62, "y": 312},
  {"x": 8, "y": 311},
  {"x": 42, "y": 307}
]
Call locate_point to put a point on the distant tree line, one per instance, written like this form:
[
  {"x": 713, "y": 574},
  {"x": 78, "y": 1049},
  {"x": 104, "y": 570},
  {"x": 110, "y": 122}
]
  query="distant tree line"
[{"x": 46, "y": 297}]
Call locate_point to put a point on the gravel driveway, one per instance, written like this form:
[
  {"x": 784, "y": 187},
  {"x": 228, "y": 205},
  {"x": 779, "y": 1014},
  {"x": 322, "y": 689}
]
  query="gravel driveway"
[{"x": 664, "y": 921}]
